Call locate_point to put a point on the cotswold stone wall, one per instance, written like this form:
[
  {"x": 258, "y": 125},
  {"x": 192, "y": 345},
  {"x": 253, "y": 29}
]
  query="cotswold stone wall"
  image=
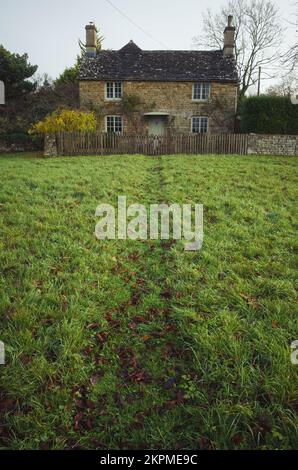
[
  {"x": 50, "y": 145},
  {"x": 174, "y": 98},
  {"x": 266, "y": 144}
]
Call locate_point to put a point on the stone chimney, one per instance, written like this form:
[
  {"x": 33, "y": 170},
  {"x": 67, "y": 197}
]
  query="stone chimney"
[
  {"x": 91, "y": 40},
  {"x": 229, "y": 38}
]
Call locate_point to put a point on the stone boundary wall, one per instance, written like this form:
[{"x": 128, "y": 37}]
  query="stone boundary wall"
[
  {"x": 50, "y": 146},
  {"x": 268, "y": 144}
]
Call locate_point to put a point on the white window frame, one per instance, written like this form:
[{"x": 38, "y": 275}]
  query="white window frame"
[
  {"x": 114, "y": 116},
  {"x": 201, "y": 84},
  {"x": 199, "y": 117},
  {"x": 114, "y": 85}
]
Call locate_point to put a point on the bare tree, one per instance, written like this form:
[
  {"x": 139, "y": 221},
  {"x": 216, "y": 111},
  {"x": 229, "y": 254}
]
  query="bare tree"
[
  {"x": 286, "y": 87},
  {"x": 291, "y": 56},
  {"x": 258, "y": 35}
]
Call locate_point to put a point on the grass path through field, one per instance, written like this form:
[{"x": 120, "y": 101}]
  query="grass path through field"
[{"x": 138, "y": 344}]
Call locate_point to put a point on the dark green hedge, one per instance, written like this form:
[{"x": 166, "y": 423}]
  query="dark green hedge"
[
  {"x": 269, "y": 115},
  {"x": 21, "y": 140}
]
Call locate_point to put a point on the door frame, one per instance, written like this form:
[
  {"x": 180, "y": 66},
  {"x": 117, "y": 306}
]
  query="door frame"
[{"x": 162, "y": 117}]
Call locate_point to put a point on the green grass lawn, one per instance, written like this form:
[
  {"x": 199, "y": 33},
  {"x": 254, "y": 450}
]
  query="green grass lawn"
[{"x": 141, "y": 345}]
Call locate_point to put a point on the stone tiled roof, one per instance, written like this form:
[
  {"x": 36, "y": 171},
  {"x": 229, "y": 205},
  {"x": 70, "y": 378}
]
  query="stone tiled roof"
[{"x": 132, "y": 63}]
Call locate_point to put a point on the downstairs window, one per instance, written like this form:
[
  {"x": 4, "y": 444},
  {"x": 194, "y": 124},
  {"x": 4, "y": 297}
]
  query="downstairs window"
[
  {"x": 114, "y": 124},
  {"x": 199, "y": 125}
]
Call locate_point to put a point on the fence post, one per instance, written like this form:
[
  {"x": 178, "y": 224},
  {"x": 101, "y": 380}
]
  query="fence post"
[{"x": 99, "y": 143}]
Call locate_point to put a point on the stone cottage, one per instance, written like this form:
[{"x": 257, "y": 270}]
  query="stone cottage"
[{"x": 155, "y": 92}]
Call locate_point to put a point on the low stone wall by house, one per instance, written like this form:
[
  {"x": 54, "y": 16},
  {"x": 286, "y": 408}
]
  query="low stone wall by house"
[{"x": 266, "y": 144}]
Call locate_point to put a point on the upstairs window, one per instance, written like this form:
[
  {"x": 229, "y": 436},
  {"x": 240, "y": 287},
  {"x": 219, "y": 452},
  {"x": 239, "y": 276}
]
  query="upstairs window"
[
  {"x": 201, "y": 91},
  {"x": 199, "y": 125},
  {"x": 114, "y": 124},
  {"x": 114, "y": 90}
]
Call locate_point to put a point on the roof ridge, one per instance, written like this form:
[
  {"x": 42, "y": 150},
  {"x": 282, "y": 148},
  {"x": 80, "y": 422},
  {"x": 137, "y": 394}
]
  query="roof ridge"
[
  {"x": 181, "y": 50},
  {"x": 132, "y": 63}
]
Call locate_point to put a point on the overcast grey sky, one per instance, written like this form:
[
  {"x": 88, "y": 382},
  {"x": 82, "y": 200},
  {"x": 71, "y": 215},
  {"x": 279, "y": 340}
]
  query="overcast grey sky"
[{"x": 48, "y": 30}]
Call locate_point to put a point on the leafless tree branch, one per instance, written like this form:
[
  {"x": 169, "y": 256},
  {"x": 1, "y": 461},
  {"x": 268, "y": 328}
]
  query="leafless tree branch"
[
  {"x": 258, "y": 36},
  {"x": 290, "y": 58}
]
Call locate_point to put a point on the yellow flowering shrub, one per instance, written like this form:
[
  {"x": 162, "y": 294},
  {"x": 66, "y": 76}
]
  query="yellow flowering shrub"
[{"x": 66, "y": 120}]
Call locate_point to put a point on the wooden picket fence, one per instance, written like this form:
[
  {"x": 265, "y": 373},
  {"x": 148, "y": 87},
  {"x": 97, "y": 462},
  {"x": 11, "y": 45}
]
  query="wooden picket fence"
[{"x": 98, "y": 143}]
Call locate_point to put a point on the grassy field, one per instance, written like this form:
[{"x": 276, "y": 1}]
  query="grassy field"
[{"x": 140, "y": 345}]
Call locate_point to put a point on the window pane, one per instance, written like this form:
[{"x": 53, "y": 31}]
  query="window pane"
[
  {"x": 195, "y": 124},
  {"x": 118, "y": 124},
  {"x": 109, "y": 90},
  {"x": 114, "y": 90},
  {"x": 199, "y": 125},
  {"x": 114, "y": 124},
  {"x": 204, "y": 125},
  {"x": 197, "y": 91},
  {"x": 201, "y": 91},
  {"x": 110, "y": 124},
  {"x": 118, "y": 90},
  {"x": 205, "y": 91}
]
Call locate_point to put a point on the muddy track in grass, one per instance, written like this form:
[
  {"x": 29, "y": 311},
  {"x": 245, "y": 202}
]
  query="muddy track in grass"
[{"x": 142, "y": 350}]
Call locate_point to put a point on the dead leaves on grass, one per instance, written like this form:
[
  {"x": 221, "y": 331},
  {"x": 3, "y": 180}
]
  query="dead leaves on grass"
[
  {"x": 83, "y": 419},
  {"x": 250, "y": 301},
  {"x": 6, "y": 405},
  {"x": 130, "y": 367}
]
